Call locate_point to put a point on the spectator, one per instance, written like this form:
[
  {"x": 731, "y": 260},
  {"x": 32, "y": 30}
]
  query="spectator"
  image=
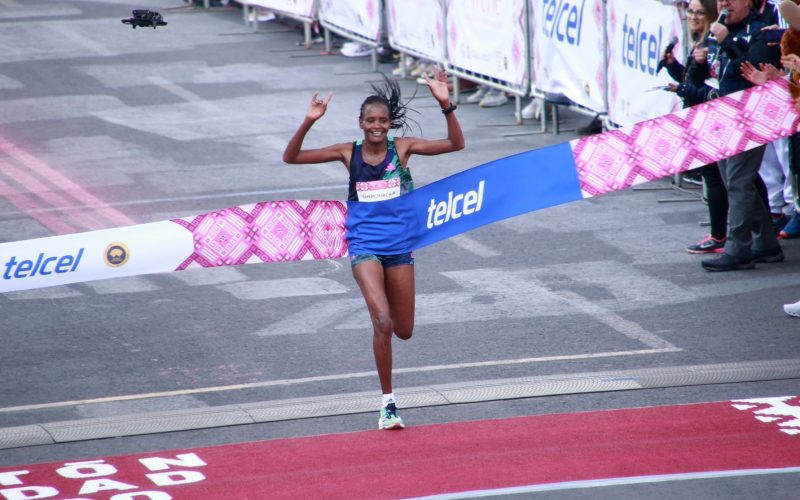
[
  {"x": 751, "y": 236},
  {"x": 693, "y": 90}
]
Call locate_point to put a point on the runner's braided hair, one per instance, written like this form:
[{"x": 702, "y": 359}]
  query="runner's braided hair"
[{"x": 388, "y": 94}]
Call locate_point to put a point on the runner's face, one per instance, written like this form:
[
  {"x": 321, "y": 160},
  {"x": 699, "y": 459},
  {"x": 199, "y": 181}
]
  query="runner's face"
[{"x": 375, "y": 122}]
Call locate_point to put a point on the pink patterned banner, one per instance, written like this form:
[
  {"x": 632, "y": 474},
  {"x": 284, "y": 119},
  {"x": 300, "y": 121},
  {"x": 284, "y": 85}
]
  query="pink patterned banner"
[
  {"x": 686, "y": 139},
  {"x": 272, "y": 231}
]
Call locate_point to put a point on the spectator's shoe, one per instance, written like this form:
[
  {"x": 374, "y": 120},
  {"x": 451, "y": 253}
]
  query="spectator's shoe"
[
  {"x": 792, "y": 309},
  {"x": 770, "y": 257},
  {"x": 389, "y": 418},
  {"x": 709, "y": 244},
  {"x": 493, "y": 99},
  {"x": 727, "y": 262},
  {"x": 477, "y": 96},
  {"x": 792, "y": 228},
  {"x": 594, "y": 127},
  {"x": 355, "y": 49},
  {"x": 779, "y": 221},
  {"x": 533, "y": 110}
]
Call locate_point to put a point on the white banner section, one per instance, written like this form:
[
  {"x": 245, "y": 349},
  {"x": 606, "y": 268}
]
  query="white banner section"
[
  {"x": 568, "y": 46},
  {"x": 300, "y": 8},
  {"x": 362, "y": 17},
  {"x": 638, "y": 33},
  {"x": 418, "y": 26},
  {"x": 488, "y": 37},
  {"x": 110, "y": 253}
]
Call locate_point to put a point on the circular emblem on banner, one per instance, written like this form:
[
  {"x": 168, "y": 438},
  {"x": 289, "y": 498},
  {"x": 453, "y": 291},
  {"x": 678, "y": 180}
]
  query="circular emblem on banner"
[{"x": 116, "y": 254}]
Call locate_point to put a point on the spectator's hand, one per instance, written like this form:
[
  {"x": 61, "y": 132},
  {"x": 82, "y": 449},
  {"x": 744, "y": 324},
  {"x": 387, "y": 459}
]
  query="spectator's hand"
[
  {"x": 791, "y": 62},
  {"x": 701, "y": 55},
  {"x": 720, "y": 31},
  {"x": 752, "y": 75},
  {"x": 671, "y": 87},
  {"x": 318, "y": 106},
  {"x": 438, "y": 85},
  {"x": 668, "y": 58}
]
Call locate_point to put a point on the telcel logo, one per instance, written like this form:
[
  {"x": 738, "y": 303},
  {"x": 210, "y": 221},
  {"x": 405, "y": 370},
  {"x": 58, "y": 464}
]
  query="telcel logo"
[
  {"x": 563, "y": 20},
  {"x": 455, "y": 206},
  {"x": 43, "y": 265},
  {"x": 640, "y": 50}
]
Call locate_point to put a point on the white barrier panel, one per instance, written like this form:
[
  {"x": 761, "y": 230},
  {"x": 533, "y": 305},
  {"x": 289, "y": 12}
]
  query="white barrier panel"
[
  {"x": 300, "y": 8},
  {"x": 362, "y": 17},
  {"x": 418, "y": 25},
  {"x": 488, "y": 37},
  {"x": 568, "y": 47},
  {"x": 638, "y": 33}
]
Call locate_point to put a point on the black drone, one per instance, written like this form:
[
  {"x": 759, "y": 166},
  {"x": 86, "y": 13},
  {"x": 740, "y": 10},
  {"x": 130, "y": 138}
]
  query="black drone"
[{"x": 145, "y": 18}]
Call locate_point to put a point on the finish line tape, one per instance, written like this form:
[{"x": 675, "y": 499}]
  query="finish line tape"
[{"x": 280, "y": 231}]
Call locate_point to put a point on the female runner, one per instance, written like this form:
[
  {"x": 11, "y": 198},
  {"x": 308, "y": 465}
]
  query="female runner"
[{"x": 378, "y": 167}]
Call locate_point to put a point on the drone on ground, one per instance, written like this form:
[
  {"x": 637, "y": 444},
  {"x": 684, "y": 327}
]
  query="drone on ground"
[{"x": 145, "y": 18}]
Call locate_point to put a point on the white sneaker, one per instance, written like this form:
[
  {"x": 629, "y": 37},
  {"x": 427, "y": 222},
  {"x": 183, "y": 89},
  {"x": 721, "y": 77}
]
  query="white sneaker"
[
  {"x": 355, "y": 49},
  {"x": 533, "y": 111},
  {"x": 411, "y": 63},
  {"x": 793, "y": 309},
  {"x": 477, "y": 95},
  {"x": 493, "y": 99}
]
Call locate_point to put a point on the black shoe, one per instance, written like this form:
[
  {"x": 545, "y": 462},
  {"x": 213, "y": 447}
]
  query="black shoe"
[
  {"x": 594, "y": 127},
  {"x": 727, "y": 262},
  {"x": 769, "y": 257}
]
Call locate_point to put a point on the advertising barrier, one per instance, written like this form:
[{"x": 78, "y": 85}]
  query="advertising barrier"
[
  {"x": 636, "y": 41},
  {"x": 490, "y": 39},
  {"x": 417, "y": 27},
  {"x": 359, "y": 19},
  {"x": 568, "y": 44}
]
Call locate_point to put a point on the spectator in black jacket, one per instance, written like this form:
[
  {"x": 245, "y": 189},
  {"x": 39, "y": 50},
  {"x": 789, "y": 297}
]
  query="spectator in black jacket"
[{"x": 751, "y": 236}]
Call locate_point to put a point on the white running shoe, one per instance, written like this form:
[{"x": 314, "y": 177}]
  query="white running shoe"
[
  {"x": 477, "y": 95},
  {"x": 533, "y": 111},
  {"x": 793, "y": 309},
  {"x": 493, "y": 98}
]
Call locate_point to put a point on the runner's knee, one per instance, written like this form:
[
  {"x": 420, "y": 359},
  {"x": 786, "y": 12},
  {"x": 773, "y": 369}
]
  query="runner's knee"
[{"x": 404, "y": 333}]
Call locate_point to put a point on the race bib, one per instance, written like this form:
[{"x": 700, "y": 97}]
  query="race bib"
[{"x": 378, "y": 190}]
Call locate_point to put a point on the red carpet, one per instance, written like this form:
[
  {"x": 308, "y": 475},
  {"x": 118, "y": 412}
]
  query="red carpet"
[{"x": 448, "y": 458}]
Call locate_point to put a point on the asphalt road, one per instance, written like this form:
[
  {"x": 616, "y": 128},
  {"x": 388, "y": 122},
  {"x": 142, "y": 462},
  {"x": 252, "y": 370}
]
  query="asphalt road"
[{"x": 193, "y": 117}]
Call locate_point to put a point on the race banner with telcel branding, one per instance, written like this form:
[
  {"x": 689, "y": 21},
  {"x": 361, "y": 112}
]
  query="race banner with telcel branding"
[
  {"x": 362, "y": 17},
  {"x": 636, "y": 40},
  {"x": 417, "y": 26},
  {"x": 567, "y": 45},
  {"x": 489, "y": 38},
  {"x": 278, "y": 231}
]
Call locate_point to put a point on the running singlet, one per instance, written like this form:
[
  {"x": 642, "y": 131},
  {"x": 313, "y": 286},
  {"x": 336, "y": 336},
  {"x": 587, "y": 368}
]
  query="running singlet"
[{"x": 380, "y": 182}]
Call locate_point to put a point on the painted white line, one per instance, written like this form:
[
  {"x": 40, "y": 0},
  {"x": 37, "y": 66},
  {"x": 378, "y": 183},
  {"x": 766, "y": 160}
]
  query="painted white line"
[
  {"x": 185, "y": 94},
  {"x": 616, "y": 481},
  {"x": 326, "y": 378},
  {"x": 474, "y": 246},
  {"x": 628, "y": 328},
  {"x": 294, "y": 287},
  {"x": 81, "y": 40}
]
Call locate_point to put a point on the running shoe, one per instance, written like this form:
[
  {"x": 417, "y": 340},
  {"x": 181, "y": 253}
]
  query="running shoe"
[
  {"x": 709, "y": 244},
  {"x": 779, "y": 221},
  {"x": 389, "y": 418},
  {"x": 792, "y": 309},
  {"x": 493, "y": 98},
  {"x": 792, "y": 228},
  {"x": 477, "y": 96}
]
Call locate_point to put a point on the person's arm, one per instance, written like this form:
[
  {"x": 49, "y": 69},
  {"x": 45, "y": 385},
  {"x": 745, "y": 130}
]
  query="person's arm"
[
  {"x": 294, "y": 152},
  {"x": 675, "y": 69},
  {"x": 455, "y": 137}
]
